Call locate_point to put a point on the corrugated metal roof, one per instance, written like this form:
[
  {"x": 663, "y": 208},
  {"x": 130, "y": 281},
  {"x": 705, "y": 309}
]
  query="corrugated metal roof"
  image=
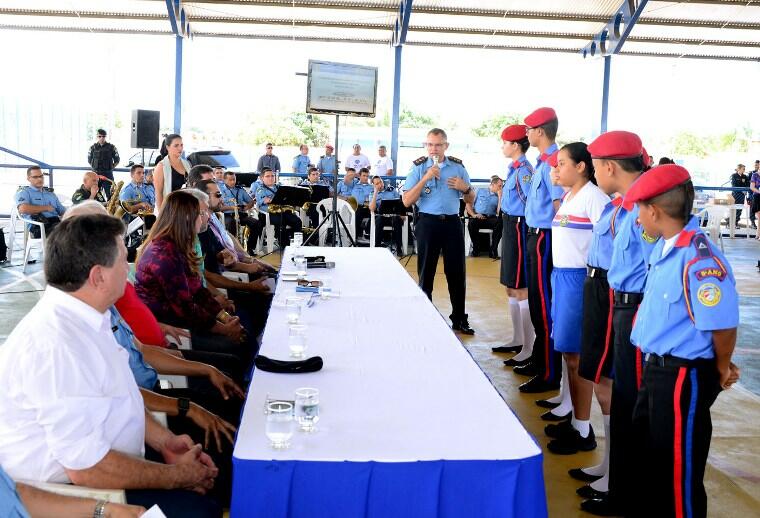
[{"x": 719, "y": 29}]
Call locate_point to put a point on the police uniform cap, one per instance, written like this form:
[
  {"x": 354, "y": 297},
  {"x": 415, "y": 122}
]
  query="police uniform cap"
[
  {"x": 616, "y": 145},
  {"x": 654, "y": 182},
  {"x": 514, "y": 133},
  {"x": 553, "y": 160},
  {"x": 540, "y": 117}
]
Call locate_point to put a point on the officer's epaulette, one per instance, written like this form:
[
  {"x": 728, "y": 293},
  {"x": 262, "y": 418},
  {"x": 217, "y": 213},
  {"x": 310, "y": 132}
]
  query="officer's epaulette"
[
  {"x": 454, "y": 159},
  {"x": 420, "y": 160},
  {"x": 322, "y": 156}
]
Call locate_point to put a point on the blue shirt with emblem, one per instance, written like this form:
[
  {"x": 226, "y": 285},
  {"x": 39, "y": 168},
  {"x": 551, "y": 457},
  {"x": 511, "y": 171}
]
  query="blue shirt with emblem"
[
  {"x": 514, "y": 194},
  {"x": 346, "y": 190},
  {"x": 239, "y": 196},
  {"x": 386, "y": 194},
  {"x": 362, "y": 192},
  {"x": 34, "y": 196},
  {"x": 301, "y": 164},
  {"x": 539, "y": 209},
  {"x": 144, "y": 374},
  {"x": 486, "y": 202},
  {"x": 437, "y": 197},
  {"x": 138, "y": 192},
  {"x": 326, "y": 164},
  {"x": 262, "y": 191},
  {"x": 600, "y": 251},
  {"x": 630, "y": 253},
  {"x": 690, "y": 292}
]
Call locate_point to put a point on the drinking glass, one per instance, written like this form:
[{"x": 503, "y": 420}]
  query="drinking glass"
[
  {"x": 300, "y": 262},
  {"x": 279, "y": 424},
  {"x": 297, "y": 340},
  {"x": 307, "y": 408},
  {"x": 293, "y": 309},
  {"x": 297, "y": 239}
]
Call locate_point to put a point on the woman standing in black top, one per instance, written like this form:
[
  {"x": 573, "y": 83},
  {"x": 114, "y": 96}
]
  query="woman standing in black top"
[{"x": 171, "y": 174}]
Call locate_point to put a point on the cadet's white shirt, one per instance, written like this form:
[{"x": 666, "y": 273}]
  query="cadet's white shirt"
[
  {"x": 356, "y": 162},
  {"x": 382, "y": 165},
  {"x": 67, "y": 395},
  {"x": 572, "y": 227}
]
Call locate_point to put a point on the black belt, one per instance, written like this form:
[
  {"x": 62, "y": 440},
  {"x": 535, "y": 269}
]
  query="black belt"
[
  {"x": 674, "y": 361},
  {"x": 441, "y": 217},
  {"x": 624, "y": 297},
  {"x": 514, "y": 219},
  {"x": 598, "y": 273},
  {"x": 535, "y": 230}
]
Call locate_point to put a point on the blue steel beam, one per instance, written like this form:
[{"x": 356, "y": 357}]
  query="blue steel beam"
[
  {"x": 178, "y": 85},
  {"x": 605, "y": 93},
  {"x": 398, "y": 39},
  {"x": 611, "y": 38}
]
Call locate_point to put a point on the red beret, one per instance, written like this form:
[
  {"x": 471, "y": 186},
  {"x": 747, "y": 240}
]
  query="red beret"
[
  {"x": 553, "y": 159},
  {"x": 330, "y": 146},
  {"x": 540, "y": 117},
  {"x": 514, "y": 133},
  {"x": 654, "y": 182},
  {"x": 646, "y": 157},
  {"x": 615, "y": 145}
]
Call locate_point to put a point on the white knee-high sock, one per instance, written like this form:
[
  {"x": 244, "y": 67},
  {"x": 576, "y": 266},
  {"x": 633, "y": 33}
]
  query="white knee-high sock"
[
  {"x": 528, "y": 335},
  {"x": 514, "y": 315},
  {"x": 603, "y": 467},
  {"x": 563, "y": 398}
]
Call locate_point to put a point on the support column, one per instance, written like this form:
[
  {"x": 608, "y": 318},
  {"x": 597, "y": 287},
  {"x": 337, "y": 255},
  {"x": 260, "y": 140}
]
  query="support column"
[
  {"x": 178, "y": 85},
  {"x": 396, "y": 108},
  {"x": 605, "y": 93}
]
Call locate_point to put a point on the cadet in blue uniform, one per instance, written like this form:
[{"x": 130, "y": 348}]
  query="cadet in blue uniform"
[
  {"x": 301, "y": 162},
  {"x": 240, "y": 198},
  {"x": 346, "y": 185},
  {"x": 36, "y": 202},
  {"x": 264, "y": 194},
  {"x": 436, "y": 183},
  {"x": 314, "y": 179},
  {"x": 482, "y": 213},
  {"x": 618, "y": 162},
  {"x": 541, "y": 205},
  {"x": 362, "y": 193},
  {"x": 136, "y": 194},
  {"x": 380, "y": 193},
  {"x": 688, "y": 352},
  {"x": 514, "y": 257}
]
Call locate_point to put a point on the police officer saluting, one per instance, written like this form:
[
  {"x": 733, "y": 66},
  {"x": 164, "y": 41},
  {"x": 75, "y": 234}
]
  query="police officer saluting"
[
  {"x": 103, "y": 157},
  {"x": 436, "y": 183},
  {"x": 38, "y": 203}
]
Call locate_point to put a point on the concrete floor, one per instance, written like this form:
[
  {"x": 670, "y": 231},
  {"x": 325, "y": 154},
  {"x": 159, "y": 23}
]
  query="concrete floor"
[{"x": 733, "y": 475}]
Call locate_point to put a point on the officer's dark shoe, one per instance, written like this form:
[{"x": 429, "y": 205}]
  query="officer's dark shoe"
[
  {"x": 506, "y": 348},
  {"x": 536, "y": 385},
  {"x": 600, "y": 507},
  {"x": 551, "y": 416},
  {"x": 463, "y": 327},
  {"x": 579, "y": 474},
  {"x": 589, "y": 492},
  {"x": 493, "y": 254},
  {"x": 516, "y": 363},
  {"x": 545, "y": 403},
  {"x": 558, "y": 430},
  {"x": 526, "y": 369},
  {"x": 569, "y": 444},
  {"x": 474, "y": 253}
]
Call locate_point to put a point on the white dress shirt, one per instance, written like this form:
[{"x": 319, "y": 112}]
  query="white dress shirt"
[
  {"x": 382, "y": 165},
  {"x": 67, "y": 395}
]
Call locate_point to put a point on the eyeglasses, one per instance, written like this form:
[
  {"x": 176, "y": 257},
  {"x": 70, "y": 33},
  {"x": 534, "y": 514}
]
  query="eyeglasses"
[
  {"x": 36, "y": 177},
  {"x": 430, "y": 144},
  {"x": 217, "y": 194},
  {"x": 269, "y": 147}
]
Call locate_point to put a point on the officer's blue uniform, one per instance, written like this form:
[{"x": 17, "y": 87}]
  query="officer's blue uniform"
[
  {"x": 487, "y": 204},
  {"x": 150, "y": 191},
  {"x": 439, "y": 229},
  {"x": 227, "y": 198},
  {"x": 301, "y": 164},
  {"x": 238, "y": 196},
  {"x": 290, "y": 220},
  {"x": 138, "y": 192},
  {"x": 690, "y": 292},
  {"x": 346, "y": 190},
  {"x": 10, "y": 503},
  {"x": 539, "y": 213},
  {"x": 262, "y": 191},
  {"x": 362, "y": 192},
  {"x": 326, "y": 164},
  {"x": 514, "y": 239},
  {"x": 145, "y": 375},
  {"x": 43, "y": 196}
]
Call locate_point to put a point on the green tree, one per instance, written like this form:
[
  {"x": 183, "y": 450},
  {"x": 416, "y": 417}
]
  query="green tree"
[
  {"x": 410, "y": 119},
  {"x": 492, "y": 127},
  {"x": 315, "y": 129}
]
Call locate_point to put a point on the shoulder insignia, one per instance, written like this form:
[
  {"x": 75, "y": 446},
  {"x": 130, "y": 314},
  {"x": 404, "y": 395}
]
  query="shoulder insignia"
[
  {"x": 702, "y": 246},
  {"x": 709, "y": 295},
  {"x": 710, "y": 272},
  {"x": 528, "y": 166},
  {"x": 420, "y": 160},
  {"x": 455, "y": 160}
]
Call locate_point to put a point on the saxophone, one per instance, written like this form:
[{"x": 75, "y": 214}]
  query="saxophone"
[
  {"x": 242, "y": 230},
  {"x": 112, "y": 206}
]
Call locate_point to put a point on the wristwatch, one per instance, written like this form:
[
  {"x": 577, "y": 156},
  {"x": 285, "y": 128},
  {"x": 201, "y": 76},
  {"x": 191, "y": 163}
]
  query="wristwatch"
[
  {"x": 100, "y": 509},
  {"x": 183, "y": 405}
]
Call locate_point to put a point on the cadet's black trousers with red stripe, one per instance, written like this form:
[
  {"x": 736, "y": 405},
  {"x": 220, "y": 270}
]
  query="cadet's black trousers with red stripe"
[
  {"x": 626, "y": 371},
  {"x": 672, "y": 427},
  {"x": 547, "y": 361}
]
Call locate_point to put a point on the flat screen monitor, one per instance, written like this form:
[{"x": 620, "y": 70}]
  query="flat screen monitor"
[{"x": 341, "y": 89}]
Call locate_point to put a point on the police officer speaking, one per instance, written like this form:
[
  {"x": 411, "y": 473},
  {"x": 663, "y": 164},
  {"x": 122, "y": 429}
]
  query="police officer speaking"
[{"x": 436, "y": 183}]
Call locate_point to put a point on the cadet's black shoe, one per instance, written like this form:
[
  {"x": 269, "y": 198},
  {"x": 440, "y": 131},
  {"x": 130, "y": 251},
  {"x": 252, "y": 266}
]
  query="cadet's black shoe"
[
  {"x": 536, "y": 385},
  {"x": 506, "y": 348},
  {"x": 551, "y": 416},
  {"x": 558, "y": 430},
  {"x": 463, "y": 327},
  {"x": 516, "y": 363},
  {"x": 545, "y": 403},
  {"x": 600, "y": 507},
  {"x": 569, "y": 444},
  {"x": 579, "y": 474},
  {"x": 526, "y": 369},
  {"x": 589, "y": 492}
]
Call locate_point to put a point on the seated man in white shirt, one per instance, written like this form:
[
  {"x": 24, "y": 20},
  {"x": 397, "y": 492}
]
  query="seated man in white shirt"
[{"x": 70, "y": 410}]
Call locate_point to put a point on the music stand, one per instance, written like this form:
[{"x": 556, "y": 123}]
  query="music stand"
[
  {"x": 319, "y": 193},
  {"x": 292, "y": 196}
]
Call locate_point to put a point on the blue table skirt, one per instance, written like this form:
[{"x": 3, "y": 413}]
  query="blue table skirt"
[{"x": 441, "y": 489}]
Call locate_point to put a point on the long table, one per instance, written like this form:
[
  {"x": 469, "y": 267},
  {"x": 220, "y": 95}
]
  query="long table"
[{"x": 409, "y": 424}]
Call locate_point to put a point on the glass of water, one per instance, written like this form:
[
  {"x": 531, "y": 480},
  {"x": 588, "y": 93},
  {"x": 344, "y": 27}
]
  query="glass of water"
[
  {"x": 307, "y": 408},
  {"x": 297, "y": 340},
  {"x": 293, "y": 309},
  {"x": 300, "y": 262},
  {"x": 279, "y": 424},
  {"x": 297, "y": 239}
]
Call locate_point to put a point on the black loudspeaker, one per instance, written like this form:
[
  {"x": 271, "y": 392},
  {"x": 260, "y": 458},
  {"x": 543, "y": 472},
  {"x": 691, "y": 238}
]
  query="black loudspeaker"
[{"x": 145, "y": 127}]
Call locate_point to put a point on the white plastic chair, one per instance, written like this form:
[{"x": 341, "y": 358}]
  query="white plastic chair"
[
  {"x": 29, "y": 241},
  {"x": 347, "y": 214},
  {"x": 714, "y": 215},
  {"x": 404, "y": 232}
]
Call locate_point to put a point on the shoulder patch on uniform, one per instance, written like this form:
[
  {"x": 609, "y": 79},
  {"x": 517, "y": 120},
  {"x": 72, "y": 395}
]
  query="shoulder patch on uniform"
[
  {"x": 455, "y": 160},
  {"x": 712, "y": 271},
  {"x": 709, "y": 295},
  {"x": 421, "y": 160},
  {"x": 702, "y": 246}
]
